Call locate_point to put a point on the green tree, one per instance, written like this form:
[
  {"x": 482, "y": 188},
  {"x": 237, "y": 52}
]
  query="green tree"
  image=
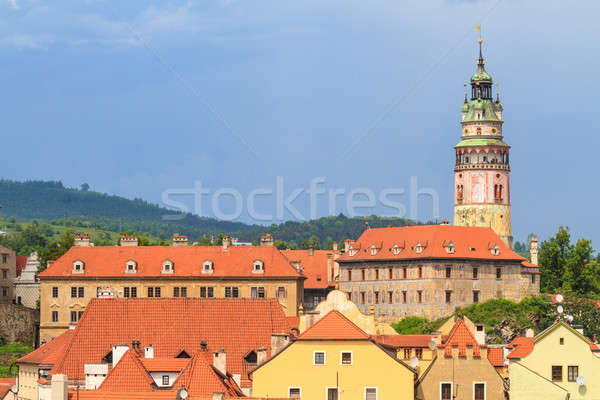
[
  {"x": 55, "y": 249},
  {"x": 553, "y": 257},
  {"x": 313, "y": 242},
  {"x": 328, "y": 244},
  {"x": 580, "y": 264},
  {"x": 85, "y": 187}
]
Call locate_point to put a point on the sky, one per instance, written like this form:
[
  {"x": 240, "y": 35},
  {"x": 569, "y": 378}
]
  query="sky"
[{"x": 155, "y": 99}]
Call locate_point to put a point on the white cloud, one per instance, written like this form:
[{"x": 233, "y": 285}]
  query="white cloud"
[
  {"x": 26, "y": 41},
  {"x": 13, "y": 4}
]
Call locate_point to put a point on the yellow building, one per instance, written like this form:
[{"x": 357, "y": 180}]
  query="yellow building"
[
  {"x": 559, "y": 363},
  {"x": 126, "y": 271},
  {"x": 334, "y": 359}
]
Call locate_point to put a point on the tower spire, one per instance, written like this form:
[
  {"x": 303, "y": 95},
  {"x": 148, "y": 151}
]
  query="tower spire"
[{"x": 480, "y": 61}]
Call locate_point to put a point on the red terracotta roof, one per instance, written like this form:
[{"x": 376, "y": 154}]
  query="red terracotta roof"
[
  {"x": 6, "y": 385},
  {"x": 333, "y": 326},
  {"x": 494, "y": 354},
  {"x": 201, "y": 379},
  {"x": 164, "y": 364},
  {"x": 50, "y": 352},
  {"x": 468, "y": 243},
  {"x": 460, "y": 336},
  {"x": 110, "y": 261},
  {"x": 21, "y": 262},
  {"x": 171, "y": 325},
  {"x": 522, "y": 347},
  {"x": 293, "y": 322},
  {"x": 315, "y": 266},
  {"x": 400, "y": 341},
  {"x": 129, "y": 375}
]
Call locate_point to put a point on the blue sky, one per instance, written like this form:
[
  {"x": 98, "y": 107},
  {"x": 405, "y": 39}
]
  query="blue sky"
[{"x": 140, "y": 97}]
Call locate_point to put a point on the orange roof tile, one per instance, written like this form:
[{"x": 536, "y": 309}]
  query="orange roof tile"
[
  {"x": 164, "y": 364},
  {"x": 495, "y": 355},
  {"x": 460, "y": 336},
  {"x": 171, "y": 325},
  {"x": 334, "y": 326},
  {"x": 400, "y": 341},
  {"x": 48, "y": 353},
  {"x": 201, "y": 379},
  {"x": 314, "y": 266},
  {"x": 129, "y": 375},
  {"x": 522, "y": 347},
  {"x": 6, "y": 385},
  {"x": 468, "y": 243},
  {"x": 110, "y": 261}
]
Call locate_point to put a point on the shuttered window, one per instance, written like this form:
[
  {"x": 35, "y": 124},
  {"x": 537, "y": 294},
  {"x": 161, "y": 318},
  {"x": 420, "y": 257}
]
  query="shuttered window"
[
  {"x": 294, "y": 393},
  {"x": 446, "y": 391},
  {"x": 480, "y": 391},
  {"x": 371, "y": 394}
]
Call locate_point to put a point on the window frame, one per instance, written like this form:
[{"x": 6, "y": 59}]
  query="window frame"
[
  {"x": 55, "y": 292},
  {"x": 569, "y": 373},
  {"x": 299, "y": 392},
  {"x": 372, "y": 387},
  {"x": 163, "y": 380},
  {"x": 315, "y": 357},
  {"x": 552, "y": 373},
  {"x": 484, "y": 389},
  {"x": 342, "y": 352},
  {"x": 337, "y": 392},
  {"x": 442, "y": 383},
  {"x": 53, "y": 314}
]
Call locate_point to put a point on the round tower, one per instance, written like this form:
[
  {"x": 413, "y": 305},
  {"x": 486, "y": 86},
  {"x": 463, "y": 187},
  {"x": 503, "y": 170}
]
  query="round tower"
[{"x": 482, "y": 171}]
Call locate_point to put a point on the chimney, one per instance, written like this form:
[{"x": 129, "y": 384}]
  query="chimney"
[
  {"x": 82, "y": 240},
  {"x": 529, "y": 332},
  {"x": 180, "y": 240},
  {"x": 261, "y": 355},
  {"x": 128, "y": 240},
  {"x": 297, "y": 264},
  {"x": 311, "y": 251},
  {"x": 220, "y": 361},
  {"x": 347, "y": 244},
  {"x": 278, "y": 342},
  {"x": 335, "y": 246},
  {"x": 94, "y": 375},
  {"x": 533, "y": 250},
  {"x": 149, "y": 351},
  {"x": 480, "y": 334},
  {"x": 330, "y": 271},
  {"x": 267, "y": 240},
  {"x": 203, "y": 345},
  {"x": 118, "y": 351},
  {"x": 59, "y": 387},
  {"x": 226, "y": 242}
]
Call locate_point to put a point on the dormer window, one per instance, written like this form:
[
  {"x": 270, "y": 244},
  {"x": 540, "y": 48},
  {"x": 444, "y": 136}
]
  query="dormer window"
[
  {"x": 258, "y": 267},
  {"x": 419, "y": 248},
  {"x": 373, "y": 250},
  {"x": 450, "y": 247},
  {"x": 78, "y": 267},
  {"x": 167, "y": 267},
  {"x": 208, "y": 267},
  {"x": 130, "y": 267},
  {"x": 495, "y": 250}
]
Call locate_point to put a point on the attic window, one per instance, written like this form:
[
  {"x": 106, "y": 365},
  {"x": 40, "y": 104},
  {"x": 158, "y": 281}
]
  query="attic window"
[
  {"x": 167, "y": 267},
  {"x": 131, "y": 267},
  {"x": 495, "y": 250},
  {"x": 373, "y": 250},
  {"x": 107, "y": 359},
  {"x": 396, "y": 249},
  {"x": 352, "y": 252},
  {"x": 78, "y": 267},
  {"x": 251, "y": 358},
  {"x": 419, "y": 248},
  {"x": 258, "y": 267},
  {"x": 183, "y": 354},
  {"x": 450, "y": 247},
  {"x": 208, "y": 267},
  {"x": 318, "y": 278}
]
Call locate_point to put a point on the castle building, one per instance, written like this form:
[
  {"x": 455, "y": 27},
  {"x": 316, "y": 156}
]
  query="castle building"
[{"x": 482, "y": 171}]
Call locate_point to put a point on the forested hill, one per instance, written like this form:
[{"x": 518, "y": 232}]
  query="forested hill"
[{"x": 46, "y": 200}]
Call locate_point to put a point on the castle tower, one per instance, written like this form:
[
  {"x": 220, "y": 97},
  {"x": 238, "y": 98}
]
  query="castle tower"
[{"x": 482, "y": 171}]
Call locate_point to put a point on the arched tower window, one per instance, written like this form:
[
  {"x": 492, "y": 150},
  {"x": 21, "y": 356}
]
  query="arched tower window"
[{"x": 479, "y": 131}]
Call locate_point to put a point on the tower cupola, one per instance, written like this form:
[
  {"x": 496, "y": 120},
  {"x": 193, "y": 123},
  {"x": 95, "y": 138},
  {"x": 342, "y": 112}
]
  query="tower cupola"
[{"x": 481, "y": 81}]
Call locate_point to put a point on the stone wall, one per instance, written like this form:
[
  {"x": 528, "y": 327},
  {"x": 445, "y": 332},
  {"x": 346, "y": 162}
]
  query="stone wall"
[{"x": 18, "y": 323}]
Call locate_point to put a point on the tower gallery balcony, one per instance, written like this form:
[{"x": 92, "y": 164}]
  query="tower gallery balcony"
[{"x": 487, "y": 166}]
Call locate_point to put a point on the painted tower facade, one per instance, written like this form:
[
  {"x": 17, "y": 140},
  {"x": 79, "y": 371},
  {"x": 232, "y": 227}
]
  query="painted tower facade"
[{"x": 482, "y": 171}]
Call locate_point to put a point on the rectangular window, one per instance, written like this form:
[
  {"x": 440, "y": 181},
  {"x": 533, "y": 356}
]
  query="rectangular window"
[
  {"x": 419, "y": 353},
  {"x": 362, "y": 297},
  {"x": 294, "y": 393},
  {"x": 390, "y": 273},
  {"x": 498, "y": 273},
  {"x": 253, "y": 292},
  {"x": 4, "y": 292},
  {"x": 407, "y": 353},
  {"x": 332, "y": 394},
  {"x": 150, "y": 292},
  {"x": 235, "y": 292},
  {"x": 404, "y": 296},
  {"x": 183, "y": 291},
  {"x": 533, "y": 279},
  {"x": 210, "y": 291},
  {"x": 165, "y": 380},
  {"x": 281, "y": 292},
  {"x": 54, "y": 316},
  {"x": 261, "y": 292},
  {"x": 557, "y": 373},
  {"x": 73, "y": 292},
  {"x": 419, "y": 296},
  {"x": 81, "y": 291},
  {"x": 126, "y": 292},
  {"x": 73, "y": 316},
  {"x": 376, "y": 293},
  {"x": 175, "y": 291},
  {"x": 228, "y": 291},
  {"x": 479, "y": 389},
  {"x": 346, "y": 358},
  {"x": 55, "y": 292},
  {"x": 420, "y": 272},
  {"x": 4, "y": 274},
  {"x": 319, "y": 358},
  {"x": 79, "y": 315},
  {"x": 376, "y": 274},
  {"x": 475, "y": 273},
  {"x": 156, "y": 292},
  {"x": 203, "y": 291},
  {"x": 475, "y": 296},
  {"x": 4, "y": 258},
  {"x": 404, "y": 273},
  {"x": 448, "y": 296},
  {"x": 448, "y": 272},
  {"x": 362, "y": 274},
  {"x": 446, "y": 391},
  {"x": 133, "y": 292},
  {"x": 370, "y": 394},
  {"x": 572, "y": 373},
  {"x": 390, "y": 297}
]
